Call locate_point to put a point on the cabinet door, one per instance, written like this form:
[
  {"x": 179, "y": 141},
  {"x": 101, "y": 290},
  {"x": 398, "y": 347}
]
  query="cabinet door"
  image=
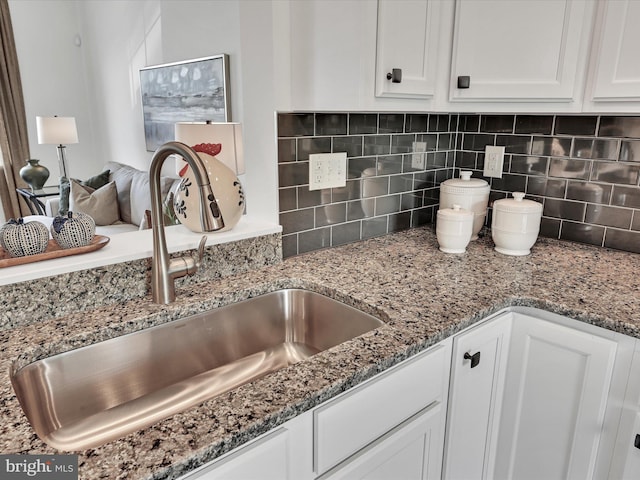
[
  {"x": 616, "y": 74},
  {"x": 348, "y": 423},
  {"x": 556, "y": 392},
  {"x": 407, "y": 39},
  {"x": 411, "y": 451},
  {"x": 525, "y": 50},
  {"x": 475, "y": 398},
  {"x": 625, "y": 463},
  {"x": 265, "y": 459},
  {"x": 282, "y": 454},
  {"x": 631, "y": 465}
]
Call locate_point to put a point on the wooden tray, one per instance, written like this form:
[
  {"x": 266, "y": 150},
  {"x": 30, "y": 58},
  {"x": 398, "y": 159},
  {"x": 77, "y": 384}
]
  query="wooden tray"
[{"x": 53, "y": 251}]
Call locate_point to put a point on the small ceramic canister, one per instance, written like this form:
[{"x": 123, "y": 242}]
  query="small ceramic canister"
[
  {"x": 470, "y": 193},
  {"x": 454, "y": 227},
  {"x": 515, "y": 224}
]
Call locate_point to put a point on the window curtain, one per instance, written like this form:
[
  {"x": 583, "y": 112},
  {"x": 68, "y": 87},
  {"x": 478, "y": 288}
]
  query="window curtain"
[{"x": 14, "y": 141}]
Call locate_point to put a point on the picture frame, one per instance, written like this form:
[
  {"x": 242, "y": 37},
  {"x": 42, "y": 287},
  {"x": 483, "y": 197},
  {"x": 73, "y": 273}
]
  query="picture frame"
[{"x": 188, "y": 91}]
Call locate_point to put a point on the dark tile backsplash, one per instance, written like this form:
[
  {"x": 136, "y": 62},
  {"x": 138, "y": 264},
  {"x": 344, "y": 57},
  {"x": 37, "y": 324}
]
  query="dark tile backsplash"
[
  {"x": 386, "y": 190},
  {"x": 585, "y": 169}
]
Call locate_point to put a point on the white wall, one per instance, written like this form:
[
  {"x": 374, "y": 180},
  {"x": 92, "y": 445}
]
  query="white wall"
[
  {"x": 115, "y": 35},
  {"x": 53, "y": 79},
  {"x": 121, "y": 36}
]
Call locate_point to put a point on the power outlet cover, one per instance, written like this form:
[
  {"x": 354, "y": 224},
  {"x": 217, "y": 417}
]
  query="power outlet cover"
[
  {"x": 419, "y": 157},
  {"x": 327, "y": 170},
  {"x": 493, "y": 161}
]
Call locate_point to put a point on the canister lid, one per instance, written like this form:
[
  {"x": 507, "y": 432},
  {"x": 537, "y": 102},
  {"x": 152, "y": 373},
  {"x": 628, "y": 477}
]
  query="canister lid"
[
  {"x": 464, "y": 183},
  {"x": 455, "y": 213},
  {"x": 517, "y": 204}
]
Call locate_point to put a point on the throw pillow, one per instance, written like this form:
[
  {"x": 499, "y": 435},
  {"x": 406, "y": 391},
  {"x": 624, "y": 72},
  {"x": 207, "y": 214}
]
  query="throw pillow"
[
  {"x": 95, "y": 182},
  {"x": 140, "y": 197},
  {"x": 101, "y": 204}
]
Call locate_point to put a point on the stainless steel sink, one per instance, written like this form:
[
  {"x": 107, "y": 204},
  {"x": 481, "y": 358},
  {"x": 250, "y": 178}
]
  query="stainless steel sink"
[{"x": 89, "y": 396}]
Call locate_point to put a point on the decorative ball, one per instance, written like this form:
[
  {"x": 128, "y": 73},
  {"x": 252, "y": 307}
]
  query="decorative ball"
[
  {"x": 226, "y": 189},
  {"x": 20, "y": 239},
  {"x": 77, "y": 229}
]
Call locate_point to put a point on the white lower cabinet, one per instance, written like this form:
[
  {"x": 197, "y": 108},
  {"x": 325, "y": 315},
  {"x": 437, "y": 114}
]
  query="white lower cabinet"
[
  {"x": 478, "y": 369},
  {"x": 630, "y": 466},
  {"x": 352, "y": 421},
  {"x": 548, "y": 406},
  {"x": 266, "y": 458},
  {"x": 625, "y": 461},
  {"x": 555, "y": 399},
  {"x": 522, "y": 395},
  {"x": 411, "y": 451},
  {"x": 282, "y": 454},
  {"x": 392, "y": 422}
]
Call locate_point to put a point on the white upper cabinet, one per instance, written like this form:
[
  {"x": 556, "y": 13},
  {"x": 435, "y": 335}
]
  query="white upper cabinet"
[
  {"x": 515, "y": 55},
  {"x": 327, "y": 56},
  {"x": 407, "y": 48},
  {"x": 615, "y": 69},
  {"x": 335, "y": 55},
  {"x": 520, "y": 51}
]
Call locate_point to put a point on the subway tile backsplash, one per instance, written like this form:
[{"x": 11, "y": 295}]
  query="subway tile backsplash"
[
  {"x": 584, "y": 169},
  {"x": 581, "y": 167},
  {"x": 387, "y": 188}
]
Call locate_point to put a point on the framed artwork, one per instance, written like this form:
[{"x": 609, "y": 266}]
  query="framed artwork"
[{"x": 190, "y": 91}]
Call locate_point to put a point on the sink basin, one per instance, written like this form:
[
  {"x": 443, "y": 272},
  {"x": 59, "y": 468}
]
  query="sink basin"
[{"x": 89, "y": 396}]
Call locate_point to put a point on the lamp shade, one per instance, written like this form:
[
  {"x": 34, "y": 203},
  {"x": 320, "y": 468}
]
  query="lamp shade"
[
  {"x": 57, "y": 130},
  {"x": 228, "y": 134}
]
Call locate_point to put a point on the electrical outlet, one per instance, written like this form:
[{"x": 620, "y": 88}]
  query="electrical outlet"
[
  {"x": 327, "y": 170},
  {"x": 419, "y": 158},
  {"x": 493, "y": 161}
]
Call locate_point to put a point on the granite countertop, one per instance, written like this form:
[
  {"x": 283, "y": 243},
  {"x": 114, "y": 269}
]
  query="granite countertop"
[{"x": 422, "y": 294}]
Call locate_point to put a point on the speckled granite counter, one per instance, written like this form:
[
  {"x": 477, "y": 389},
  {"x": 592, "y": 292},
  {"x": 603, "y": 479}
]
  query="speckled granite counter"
[{"x": 421, "y": 293}]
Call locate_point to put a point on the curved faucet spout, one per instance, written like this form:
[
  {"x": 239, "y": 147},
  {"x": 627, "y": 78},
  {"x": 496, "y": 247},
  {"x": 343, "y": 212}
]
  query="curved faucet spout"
[{"x": 165, "y": 270}]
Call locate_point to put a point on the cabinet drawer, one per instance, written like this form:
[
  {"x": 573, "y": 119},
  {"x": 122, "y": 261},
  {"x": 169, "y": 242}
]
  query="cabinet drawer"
[
  {"x": 350, "y": 422},
  {"x": 408, "y": 452},
  {"x": 263, "y": 459}
]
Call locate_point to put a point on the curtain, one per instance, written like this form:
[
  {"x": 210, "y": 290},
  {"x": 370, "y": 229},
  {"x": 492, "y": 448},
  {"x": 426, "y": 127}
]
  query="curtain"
[{"x": 14, "y": 141}]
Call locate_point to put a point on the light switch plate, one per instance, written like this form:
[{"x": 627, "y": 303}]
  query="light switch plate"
[
  {"x": 327, "y": 170},
  {"x": 493, "y": 161},
  {"x": 418, "y": 157}
]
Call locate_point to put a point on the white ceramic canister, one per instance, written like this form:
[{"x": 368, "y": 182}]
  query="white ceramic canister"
[
  {"x": 470, "y": 193},
  {"x": 515, "y": 224},
  {"x": 453, "y": 229}
]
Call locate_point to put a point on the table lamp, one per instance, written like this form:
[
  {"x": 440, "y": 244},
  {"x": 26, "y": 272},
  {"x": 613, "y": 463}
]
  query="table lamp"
[
  {"x": 59, "y": 131},
  {"x": 229, "y": 134}
]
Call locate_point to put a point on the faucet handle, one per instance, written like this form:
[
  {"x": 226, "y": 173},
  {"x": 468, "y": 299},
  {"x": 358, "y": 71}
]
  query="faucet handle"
[
  {"x": 191, "y": 263},
  {"x": 198, "y": 258}
]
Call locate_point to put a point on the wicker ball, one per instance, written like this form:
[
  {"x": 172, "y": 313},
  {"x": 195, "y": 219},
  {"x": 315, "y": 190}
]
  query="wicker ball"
[
  {"x": 20, "y": 239},
  {"x": 75, "y": 230}
]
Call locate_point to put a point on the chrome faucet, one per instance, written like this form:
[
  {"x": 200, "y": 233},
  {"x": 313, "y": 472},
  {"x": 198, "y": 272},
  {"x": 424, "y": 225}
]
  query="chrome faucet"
[{"x": 165, "y": 270}]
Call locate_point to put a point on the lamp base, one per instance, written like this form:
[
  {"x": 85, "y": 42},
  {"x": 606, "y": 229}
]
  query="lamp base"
[{"x": 62, "y": 160}]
